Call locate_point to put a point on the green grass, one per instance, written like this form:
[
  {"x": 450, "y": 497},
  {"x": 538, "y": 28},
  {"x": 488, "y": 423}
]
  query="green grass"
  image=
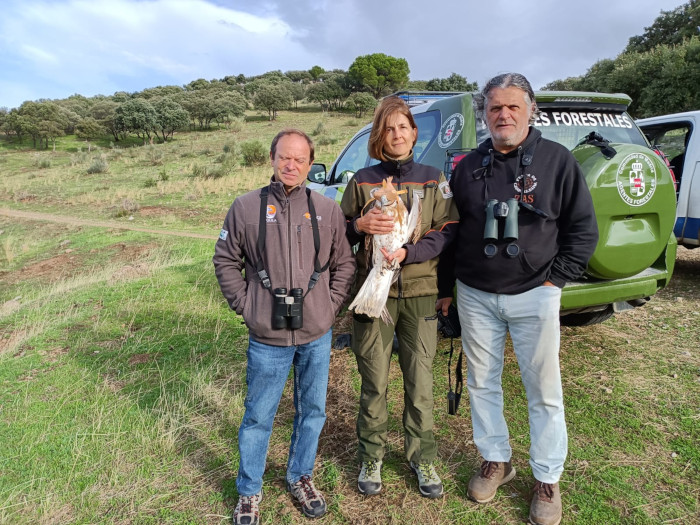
[{"x": 122, "y": 370}]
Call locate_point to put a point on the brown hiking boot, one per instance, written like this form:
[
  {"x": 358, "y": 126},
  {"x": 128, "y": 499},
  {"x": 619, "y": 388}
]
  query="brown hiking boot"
[
  {"x": 545, "y": 508},
  {"x": 491, "y": 475},
  {"x": 312, "y": 502}
]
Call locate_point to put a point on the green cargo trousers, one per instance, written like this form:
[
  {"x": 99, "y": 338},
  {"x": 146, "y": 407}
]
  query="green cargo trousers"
[{"x": 415, "y": 324}]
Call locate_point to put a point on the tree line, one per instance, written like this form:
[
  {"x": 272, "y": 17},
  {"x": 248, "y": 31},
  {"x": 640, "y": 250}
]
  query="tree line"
[
  {"x": 157, "y": 113},
  {"x": 659, "y": 69}
]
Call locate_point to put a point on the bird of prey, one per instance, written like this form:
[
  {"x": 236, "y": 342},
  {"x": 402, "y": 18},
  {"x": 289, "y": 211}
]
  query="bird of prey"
[{"x": 372, "y": 296}]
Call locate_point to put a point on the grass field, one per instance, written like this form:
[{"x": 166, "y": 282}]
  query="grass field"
[{"x": 122, "y": 371}]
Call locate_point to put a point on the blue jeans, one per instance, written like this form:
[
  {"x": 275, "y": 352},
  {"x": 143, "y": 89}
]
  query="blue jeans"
[
  {"x": 532, "y": 318},
  {"x": 266, "y": 374}
]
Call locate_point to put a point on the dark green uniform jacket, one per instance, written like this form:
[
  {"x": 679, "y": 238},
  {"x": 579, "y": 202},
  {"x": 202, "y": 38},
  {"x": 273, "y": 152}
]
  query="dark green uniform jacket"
[{"x": 438, "y": 221}]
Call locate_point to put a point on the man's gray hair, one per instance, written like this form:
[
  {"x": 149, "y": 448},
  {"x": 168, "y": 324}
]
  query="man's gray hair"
[{"x": 503, "y": 81}]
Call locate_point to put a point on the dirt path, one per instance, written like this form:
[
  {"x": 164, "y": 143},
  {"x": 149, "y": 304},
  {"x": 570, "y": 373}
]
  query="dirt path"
[{"x": 48, "y": 217}]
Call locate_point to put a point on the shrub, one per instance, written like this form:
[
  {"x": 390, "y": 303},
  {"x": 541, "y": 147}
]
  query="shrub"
[
  {"x": 150, "y": 182},
  {"x": 78, "y": 158},
  {"x": 99, "y": 165},
  {"x": 42, "y": 163},
  {"x": 227, "y": 158},
  {"x": 199, "y": 171},
  {"x": 217, "y": 173},
  {"x": 320, "y": 128},
  {"x": 254, "y": 153},
  {"x": 326, "y": 140},
  {"x": 236, "y": 125},
  {"x": 154, "y": 155},
  {"x": 127, "y": 208}
]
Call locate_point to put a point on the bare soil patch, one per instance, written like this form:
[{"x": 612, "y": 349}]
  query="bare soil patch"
[
  {"x": 70, "y": 264},
  {"x": 52, "y": 269}
]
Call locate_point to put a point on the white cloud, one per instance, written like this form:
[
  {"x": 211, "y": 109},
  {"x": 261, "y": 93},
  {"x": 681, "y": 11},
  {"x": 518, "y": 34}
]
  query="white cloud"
[
  {"x": 90, "y": 47},
  {"x": 52, "y": 49}
]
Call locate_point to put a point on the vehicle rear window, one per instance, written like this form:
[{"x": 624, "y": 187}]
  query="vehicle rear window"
[
  {"x": 428, "y": 125},
  {"x": 356, "y": 156},
  {"x": 570, "y": 127}
]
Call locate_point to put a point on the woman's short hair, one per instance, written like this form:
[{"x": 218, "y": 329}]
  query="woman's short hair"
[
  {"x": 292, "y": 131},
  {"x": 386, "y": 108}
]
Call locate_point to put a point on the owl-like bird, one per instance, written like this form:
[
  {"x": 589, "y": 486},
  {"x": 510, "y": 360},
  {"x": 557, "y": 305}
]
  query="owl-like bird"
[{"x": 371, "y": 299}]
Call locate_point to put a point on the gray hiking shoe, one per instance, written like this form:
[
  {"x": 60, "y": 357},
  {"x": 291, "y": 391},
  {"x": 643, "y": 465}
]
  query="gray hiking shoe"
[
  {"x": 369, "y": 482},
  {"x": 429, "y": 483},
  {"x": 545, "y": 508},
  {"x": 313, "y": 505},
  {"x": 247, "y": 511},
  {"x": 491, "y": 475}
]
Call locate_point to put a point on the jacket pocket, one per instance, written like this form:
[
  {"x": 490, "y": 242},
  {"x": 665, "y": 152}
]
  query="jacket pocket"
[{"x": 257, "y": 312}]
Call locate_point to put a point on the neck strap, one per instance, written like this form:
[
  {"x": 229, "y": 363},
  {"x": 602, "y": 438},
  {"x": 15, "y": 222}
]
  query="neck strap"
[{"x": 262, "y": 231}]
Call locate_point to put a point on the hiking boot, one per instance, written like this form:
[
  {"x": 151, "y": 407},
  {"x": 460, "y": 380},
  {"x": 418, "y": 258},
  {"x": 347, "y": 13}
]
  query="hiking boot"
[
  {"x": 311, "y": 500},
  {"x": 247, "y": 511},
  {"x": 545, "y": 508},
  {"x": 369, "y": 482},
  {"x": 429, "y": 482},
  {"x": 491, "y": 475}
]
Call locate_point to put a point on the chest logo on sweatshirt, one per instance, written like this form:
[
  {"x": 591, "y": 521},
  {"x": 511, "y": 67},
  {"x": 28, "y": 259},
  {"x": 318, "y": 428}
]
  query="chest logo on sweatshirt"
[
  {"x": 636, "y": 179},
  {"x": 530, "y": 183},
  {"x": 451, "y": 129},
  {"x": 271, "y": 212}
]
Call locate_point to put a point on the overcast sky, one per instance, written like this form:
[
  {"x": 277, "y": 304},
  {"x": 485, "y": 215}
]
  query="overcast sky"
[{"x": 54, "y": 48}]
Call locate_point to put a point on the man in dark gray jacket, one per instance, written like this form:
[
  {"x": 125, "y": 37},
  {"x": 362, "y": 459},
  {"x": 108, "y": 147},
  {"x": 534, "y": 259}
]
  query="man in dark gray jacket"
[{"x": 283, "y": 262}]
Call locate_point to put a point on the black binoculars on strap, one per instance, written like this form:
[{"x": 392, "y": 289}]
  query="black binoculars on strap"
[
  {"x": 288, "y": 310},
  {"x": 496, "y": 211}
]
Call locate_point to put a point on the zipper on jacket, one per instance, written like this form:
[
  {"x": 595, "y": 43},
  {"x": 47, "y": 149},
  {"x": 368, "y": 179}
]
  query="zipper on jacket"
[
  {"x": 399, "y": 281},
  {"x": 300, "y": 248},
  {"x": 289, "y": 255}
]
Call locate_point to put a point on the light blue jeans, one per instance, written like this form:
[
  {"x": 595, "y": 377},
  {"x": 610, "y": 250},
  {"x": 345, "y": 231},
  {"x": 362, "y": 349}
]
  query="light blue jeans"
[
  {"x": 266, "y": 374},
  {"x": 532, "y": 318}
]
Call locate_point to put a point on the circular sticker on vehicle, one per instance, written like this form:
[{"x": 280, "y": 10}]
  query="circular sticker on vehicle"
[
  {"x": 636, "y": 179},
  {"x": 450, "y": 130}
]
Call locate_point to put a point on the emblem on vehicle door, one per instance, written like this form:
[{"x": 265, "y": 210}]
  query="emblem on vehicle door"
[
  {"x": 451, "y": 129},
  {"x": 636, "y": 179}
]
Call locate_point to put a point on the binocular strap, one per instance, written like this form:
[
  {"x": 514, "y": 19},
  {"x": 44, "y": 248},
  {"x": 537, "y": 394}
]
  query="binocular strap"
[
  {"x": 459, "y": 382},
  {"x": 262, "y": 230}
]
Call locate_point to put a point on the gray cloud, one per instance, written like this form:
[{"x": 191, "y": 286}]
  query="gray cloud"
[{"x": 54, "y": 49}]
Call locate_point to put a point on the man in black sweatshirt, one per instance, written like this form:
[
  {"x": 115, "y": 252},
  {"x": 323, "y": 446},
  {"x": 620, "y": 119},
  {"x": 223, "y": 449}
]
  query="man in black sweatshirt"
[{"x": 527, "y": 226}]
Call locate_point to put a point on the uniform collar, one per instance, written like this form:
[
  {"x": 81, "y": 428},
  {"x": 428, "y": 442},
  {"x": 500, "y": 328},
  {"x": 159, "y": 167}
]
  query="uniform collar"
[
  {"x": 277, "y": 189},
  {"x": 398, "y": 167}
]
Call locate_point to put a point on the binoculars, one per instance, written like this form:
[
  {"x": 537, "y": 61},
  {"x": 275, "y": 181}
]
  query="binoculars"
[
  {"x": 495, "y": 212},
  {"x": 288, "y": 309}
]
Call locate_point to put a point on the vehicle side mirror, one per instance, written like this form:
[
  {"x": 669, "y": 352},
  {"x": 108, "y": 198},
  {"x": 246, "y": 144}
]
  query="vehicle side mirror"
[
  {"x": 345, "y": 177},
  {"x": 317, "y": 173}
]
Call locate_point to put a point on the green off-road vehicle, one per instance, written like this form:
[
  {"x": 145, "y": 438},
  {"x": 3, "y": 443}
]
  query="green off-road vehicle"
[{"x": 632, "y": 188}]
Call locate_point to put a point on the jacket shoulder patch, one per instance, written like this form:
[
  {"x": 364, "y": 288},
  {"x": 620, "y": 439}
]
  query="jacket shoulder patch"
[{"x": 445, "y": 190}]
